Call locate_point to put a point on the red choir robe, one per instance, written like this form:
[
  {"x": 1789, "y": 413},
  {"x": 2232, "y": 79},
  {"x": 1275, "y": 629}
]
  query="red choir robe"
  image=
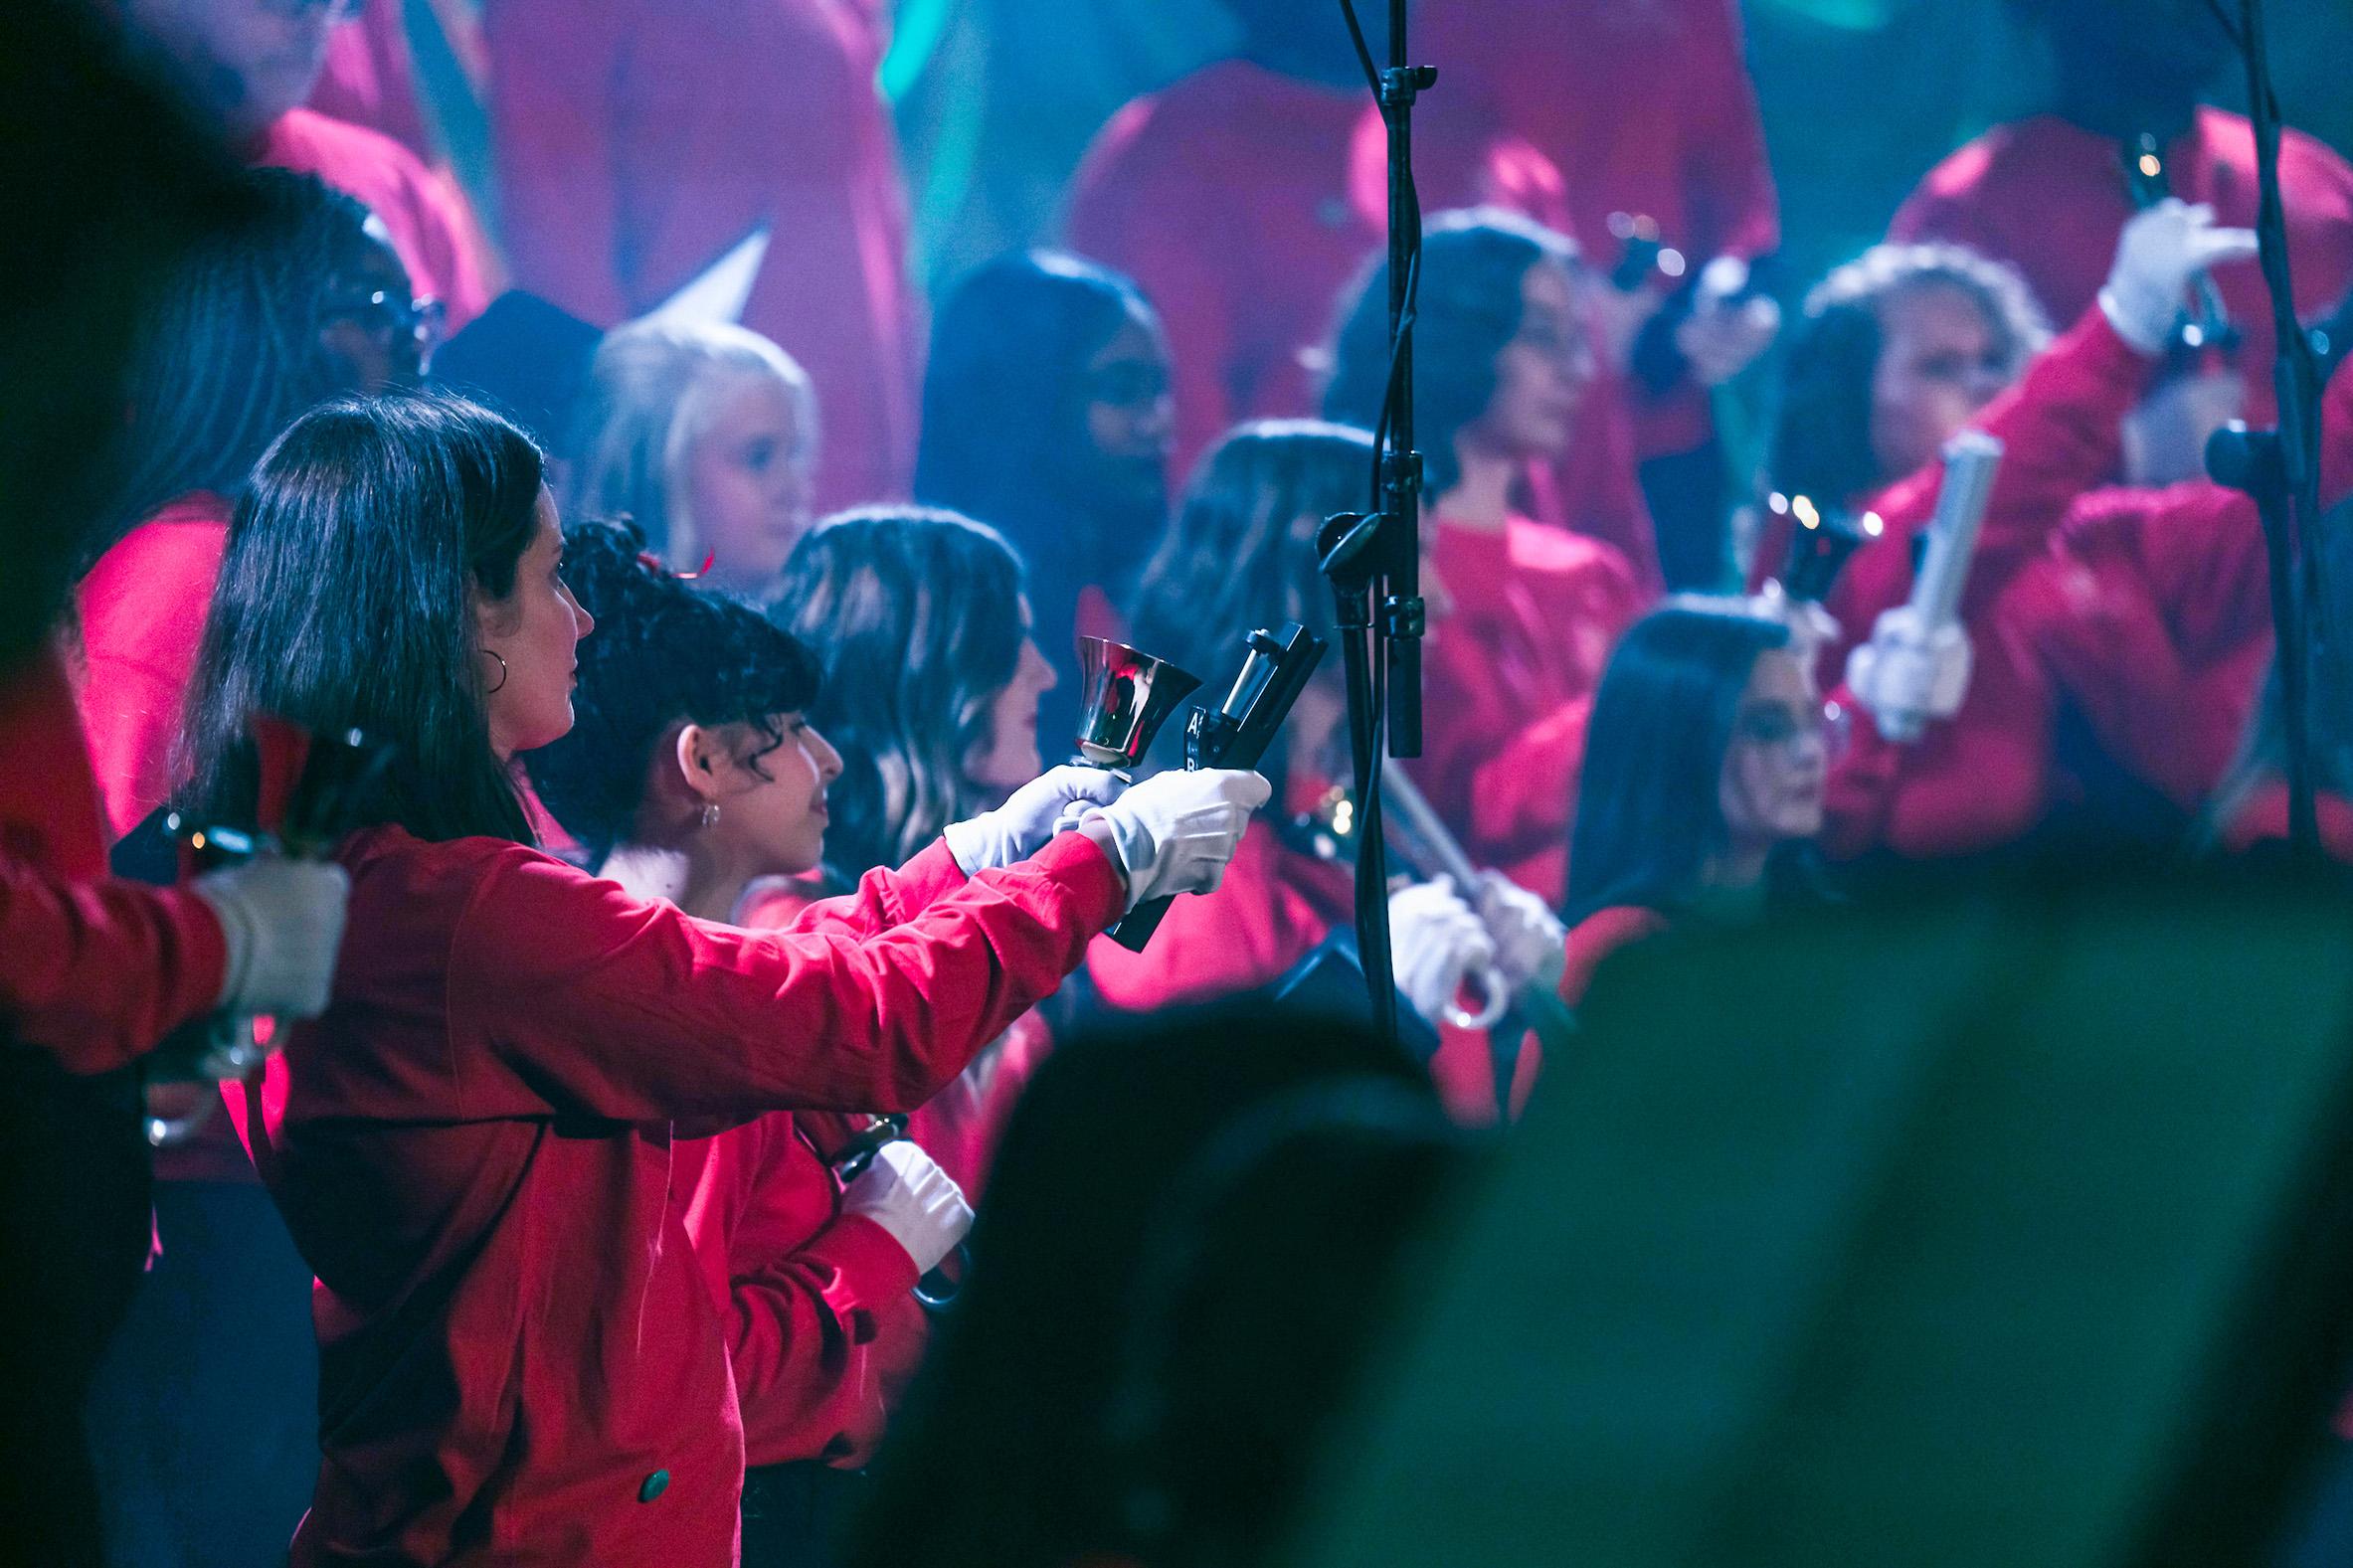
[
  {"x": 142, "y": 610},
  {"x": 96, "y": 969},
  {"x": 639, "y": 142},
  {"x": 520, "y": 1358},
  {"x": 2049, "y": 198},
  {"x": 431, "y": 229},
  {"x": 1510, "y": 670}
]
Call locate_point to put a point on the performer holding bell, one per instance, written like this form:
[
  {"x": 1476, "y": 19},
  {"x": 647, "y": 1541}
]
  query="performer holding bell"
[
  {"x": 1242, "y": 554},
  {"x": 473, "y": 1145}
]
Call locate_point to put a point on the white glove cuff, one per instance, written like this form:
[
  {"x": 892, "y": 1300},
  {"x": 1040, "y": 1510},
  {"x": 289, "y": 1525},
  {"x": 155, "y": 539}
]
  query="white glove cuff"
[
  {"x": 240, "y": 932},
  {"x": 969, "y": 843},
  {"x": 2141, "y": 318}
]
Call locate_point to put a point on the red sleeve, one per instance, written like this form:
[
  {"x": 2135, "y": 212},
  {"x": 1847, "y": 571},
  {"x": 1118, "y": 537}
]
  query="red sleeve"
[
  {"x": 1506, "y": 776},
  {"x": 2061, "y": 431},
  {"x": 1735, "y": 210},
  {"x": 1127, "y": 213},
  {"x": 1599, "y": 935},
  {"x": 881, "y": 900},
  {"x": 814, "y": 1300},
  {"x": 554, "y": 64},
  {"x": 99, "y": 972},
  {"x": 586, "y": 1001}
]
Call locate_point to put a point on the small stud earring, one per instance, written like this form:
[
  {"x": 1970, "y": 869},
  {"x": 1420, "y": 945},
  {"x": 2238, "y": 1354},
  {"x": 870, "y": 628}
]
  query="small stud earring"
[{"x": 710, "y": 813}]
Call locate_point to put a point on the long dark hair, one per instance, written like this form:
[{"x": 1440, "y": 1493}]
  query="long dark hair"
[
  {"x": 1005, "y": 436},
  {"x": 346, "y": 601},
  {"x": 1822, "y": 436},
  {"x": 1474, "y": 263},
  {"x": 664, "y": 654},
  {"x": 1650, "y": 810},
  {"x": 914, "y": 611},
  {"x": 1004, "y": 394},
  {"x": 229, "y": 352}
]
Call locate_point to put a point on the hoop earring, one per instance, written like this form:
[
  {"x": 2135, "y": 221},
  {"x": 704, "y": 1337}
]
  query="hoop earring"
[
  {"x": 710, "y": 813},
  {"x": 502, "y": 672}
]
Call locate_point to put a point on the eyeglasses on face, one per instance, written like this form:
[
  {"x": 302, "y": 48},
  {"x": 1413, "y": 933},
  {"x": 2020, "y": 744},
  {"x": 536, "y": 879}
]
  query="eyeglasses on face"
[{"x": 387, "y": 316}]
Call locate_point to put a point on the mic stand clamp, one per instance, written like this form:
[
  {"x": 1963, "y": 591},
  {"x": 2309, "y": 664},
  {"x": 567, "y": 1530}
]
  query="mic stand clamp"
[{"x": 1349, "y": 548}]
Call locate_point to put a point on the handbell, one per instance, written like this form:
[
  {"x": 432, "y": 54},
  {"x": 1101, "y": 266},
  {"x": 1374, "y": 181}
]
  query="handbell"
[{"x": 1125, "y": 696}]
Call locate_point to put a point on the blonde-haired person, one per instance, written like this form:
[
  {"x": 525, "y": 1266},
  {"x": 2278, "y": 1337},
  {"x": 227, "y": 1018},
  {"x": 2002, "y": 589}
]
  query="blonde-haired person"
[{"x": 706, "y": 438}]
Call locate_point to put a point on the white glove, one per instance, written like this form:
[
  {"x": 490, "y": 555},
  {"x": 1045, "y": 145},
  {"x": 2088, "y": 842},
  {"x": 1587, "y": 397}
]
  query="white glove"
[
  {"x": 284, "y": 921},
  {"x": 1435, "y": 939},
  {"x": 1176, "y": 831},
  {"x": 2160, "y": 250},
  {"x": 1909, "y": 673},
  {"x": 1725, "y": 332},
  {"x": 1037, "y": 810},
  {"x": 906, "y": 1193},
  {"x": 1531, "y": 946}
]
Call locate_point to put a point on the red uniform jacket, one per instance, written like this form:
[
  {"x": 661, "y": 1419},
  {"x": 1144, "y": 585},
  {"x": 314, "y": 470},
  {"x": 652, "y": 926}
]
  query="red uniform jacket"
[
  {"x": 821, "y": 1331},
  {"x": 92, "y": 971},
  {"x": 1982, "y": 777},
  {"x": 2049, "y": 198},
  {"x": 639, "y": 142},
  {"x": 1509, "y": 675},
  {"x": 519, "y": 1358},
  {"x": 1275, "y": 907},
  {"x": 426, "y": 217},
  {"x": 142, "y": 610},
  {"x": 1649, "y": 108}
]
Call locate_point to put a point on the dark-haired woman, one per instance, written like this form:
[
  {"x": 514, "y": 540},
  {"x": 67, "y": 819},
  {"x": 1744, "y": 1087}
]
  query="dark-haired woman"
[
  {"x": 694, "y": 769},
  {"x": 1241, "y": 555},
  {"x": 305, "y": 303},
  {"x": 1705, "y": 770},
  {"x": 471, "y": 1146},
  {"x": 1894, "y": 354},
  {"x": 1521, "y": 616},
  {"x": 934, "y": 683},
  {"x": 1047, "y": 416}
]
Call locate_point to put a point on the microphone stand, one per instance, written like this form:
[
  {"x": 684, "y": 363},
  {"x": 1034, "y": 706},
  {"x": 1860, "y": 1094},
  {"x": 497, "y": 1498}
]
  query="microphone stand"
[
  {"x": 1378, "y": 554},
  {"x": 2280, "y": 468}
]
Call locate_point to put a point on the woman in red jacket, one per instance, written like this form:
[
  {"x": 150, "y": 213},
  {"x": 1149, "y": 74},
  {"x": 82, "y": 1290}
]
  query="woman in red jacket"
[
  {"x": 1241, "y": 555},
  {"x": 473, "y": 1145},
  {"x": 687, "y": 777},
  {"x": 1704, "y": 780},
  {"x": 1521, "y": 616},
  {"x": 1896, "y": 353}
]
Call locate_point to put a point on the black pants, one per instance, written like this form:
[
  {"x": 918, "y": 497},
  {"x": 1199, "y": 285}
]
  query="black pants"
[{"x": 794, "y": 1514}]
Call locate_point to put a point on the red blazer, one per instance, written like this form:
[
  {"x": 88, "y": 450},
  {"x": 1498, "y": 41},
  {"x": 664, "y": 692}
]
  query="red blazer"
[
  {"x": 2049, "y": 198},
  {"x": 519, "y": 1356},
  {"x": 371, "y": 77},
  {"x": 95, "y": 970},
  {"x": 2263, "y": 818},
  {"x": 142, "y": 610},
  {"x": 638, "y": 142},
  {"x": 1509, "y": 675},
  {"x": 430, "y": 225}
]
